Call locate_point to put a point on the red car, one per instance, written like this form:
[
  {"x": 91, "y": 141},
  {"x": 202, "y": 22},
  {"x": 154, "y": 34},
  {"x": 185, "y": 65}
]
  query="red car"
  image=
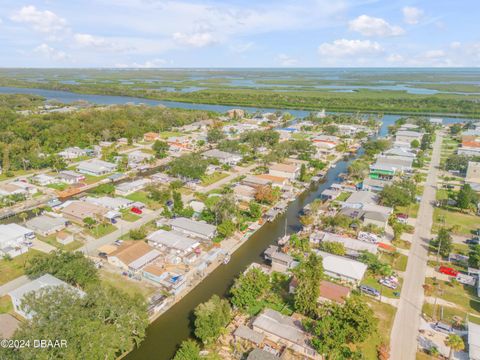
[
  {"x": 447, "y": 270},
  {"x": 136, "y": 210}
]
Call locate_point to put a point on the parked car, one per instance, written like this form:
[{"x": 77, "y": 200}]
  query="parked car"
[
  {"x": 369, "y": 290},
  {"x": 402, "y": 218},
  {"x": 136, "y": 210},
  {"x": 118, "y": 242},
  {"x": 102, "y": 255},
  {"x": 388, "y": 283},
  {"x": 448, "y": 271},
  {"x": 444, "y": 328},
  {"x": 473, "y": 241}
]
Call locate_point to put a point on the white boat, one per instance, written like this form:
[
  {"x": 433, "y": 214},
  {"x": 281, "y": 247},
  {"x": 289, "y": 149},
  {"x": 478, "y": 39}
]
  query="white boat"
[{"x": 226, "y": 259}]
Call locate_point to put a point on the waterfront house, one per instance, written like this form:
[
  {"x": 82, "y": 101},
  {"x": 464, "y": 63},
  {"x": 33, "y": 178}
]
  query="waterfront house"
[
  {"x": 285, "y": 330},
  {"x": 173, "y": 282},
  {"x": 46, "y": 225},
  {"x": 193, "y": 228},
  {"x": 407, "y": 136},
  {"x": 96, "y": 167},
  {"x": 375, "y": 185},
  {"x": 359, "y": 198},
  {"x": 244, "y": 192},
  {"x": 14, "y": 240},
  {"x": 17, "y": 188},
  {"x": 400, "y": 152},
  {"x": 342, "y": 268},
  {"x": 353, "y": 247},
  {"x": 280, "y": 261},
  {"x": 255, "y": 181},
  {"x": 172, "y": 241},
  {"x": 289, "y": 171},
  {"x": 329, "y": 291},
  {"x": 275, "y": 181},
  {"x": 133, "y": 255},
  {"x": 43, "y": 282},
  {"x": 398, "y": 164},
  {"x": 222, "y": 156}
]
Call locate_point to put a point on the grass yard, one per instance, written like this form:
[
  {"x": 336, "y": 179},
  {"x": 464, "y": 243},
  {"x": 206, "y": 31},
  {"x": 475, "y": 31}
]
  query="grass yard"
[
  {"x": 58, "y": 186},
  {"x": 74, "y": 245},
  {"x": 396, "y": 260},
  {"x": 90, "y": 179},
  {"x": 6, "y": 305},
  {"x": 213, "y": 178},
  {"x": 385, "y": 314},
  {"x": 142, "y": 196},
  {"x": 343, "y": 196},
  {"x": 167, "y": 134},
  {"x": 129, "y": 216},
  {"x": 11, "y": 269},
  {"x": 463, "y": 296},
  {"x": 464, "y": 224},
  {"x": 411, "y": 210},
  {"x": 131, "y": 287},
  {"x": 402, "y": 244},
  {"x": 101, "y": 230},
  {"x": 446, "y": 314}
]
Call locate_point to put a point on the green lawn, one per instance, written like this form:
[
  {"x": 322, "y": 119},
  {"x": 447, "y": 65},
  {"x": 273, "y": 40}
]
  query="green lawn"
[
  {"x": 101, "y": 230},
  {"x": 11, "y": 269},
  {"x": 396, "y": 260},
  {"x": 131, "y": 287},
  {"x": 343, "y": 196},
  {"x": 463, "y": 296},
  {"x": 167, "y": 134},
  {"x": 411, "y": 210},
  {"x": 129, "y": 216},
  {"x": 6, "y": 305},
  {"x": 466, "y": 223},
  {"x": 142, "y": 196},
  {"x": 58, "y": 186},
  {"x": 213, "y": 178},
  {"x": 52, "y": 240},
  {"x": 446, "y": 313},
  {"x": 402, "y": 244},
  {"x": 90, "y": 179},
  {"x": 385, "y": 314}
]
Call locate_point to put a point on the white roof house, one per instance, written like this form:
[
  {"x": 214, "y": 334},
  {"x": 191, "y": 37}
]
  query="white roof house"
[
  {"x": 352, "y": 246},
  {"x": 96, "y": 167},
  {"x": 42, "y": 282},
  {"x": 131, "y": 187},
  {"x": 13, "y": 239},
  {"x": 474, "y": 341},
  {"x": 110, "y": 203},
  {"x": 46, "y": 225},
  {"x": 343, "y": 268},
  {"x": 172, "y": 240},
  {"x": 359, "y": 198},
  {"x": 223, "y": 156},
  {"x": 193, "y": 228}
]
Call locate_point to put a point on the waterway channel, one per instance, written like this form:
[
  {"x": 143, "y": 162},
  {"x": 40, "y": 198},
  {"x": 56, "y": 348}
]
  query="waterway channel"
[{"x": 166, "y": 333}]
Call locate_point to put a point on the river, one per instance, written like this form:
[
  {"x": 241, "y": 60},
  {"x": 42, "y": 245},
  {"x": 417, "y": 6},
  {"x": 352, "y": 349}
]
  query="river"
[{"x": 170, "y": 329}]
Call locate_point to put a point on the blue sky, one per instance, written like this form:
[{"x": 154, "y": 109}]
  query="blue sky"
[{"x": 239, "y": 33}]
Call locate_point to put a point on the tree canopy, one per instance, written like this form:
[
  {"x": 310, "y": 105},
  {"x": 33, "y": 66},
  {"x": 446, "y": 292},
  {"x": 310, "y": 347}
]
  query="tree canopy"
[{"x": 211, "y": 318}]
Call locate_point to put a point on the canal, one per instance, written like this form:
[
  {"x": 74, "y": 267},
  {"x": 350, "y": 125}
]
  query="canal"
[{"x": 166, "y": 333}]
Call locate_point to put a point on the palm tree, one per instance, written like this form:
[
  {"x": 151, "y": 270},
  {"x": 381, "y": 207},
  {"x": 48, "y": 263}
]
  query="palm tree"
[
  {"x": 23, "y": 216},
  {"x": 455, "y": 343}
]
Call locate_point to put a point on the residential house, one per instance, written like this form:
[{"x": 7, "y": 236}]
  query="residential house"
[
  {"x": 473, "y": 175},
  {"x": 138, "y": 157},
  {"x": 17, "y": 188},
  {"x": 285, "y": 330},
  {"x": 78, "y": 211},
  {"x": 473, "y": 341},
  {"x": 469, "y": 148},
  {"x": 400, "y": 152},
  {"x": 329, "y": 291},
  {"x": 289, "y": 171},
  {"x": 222, "y": 156},
  {"x": 397, "y": 163},
  {"x": 255, "y": 181},
  {"x": 353, "y": 247},
  {"x": 40, "y": 284},
  {"x": 133, "y": 255},
  {"x": 151, "y": 136},
  {"x": 172, "y": 241},
  {"x": 280, "y": 261},
  {"x": 359, "y": 198},
  {"x": 128, "y": 188},
  {"x": 369, "y": 213},
  {"x": 46, "y": 225},
  {"x": 73, "y": 153},
  {"x": 436, "y": 121},
  {"x": 192, "y": 228},
  {"x": 173, "y": 282},
  {"x": 70, "y": 177},
  {"x": 375, "y": 185},
  {"x": 111, "y": 203},
  {"x": 44, "y": 179},
  {"x": 276, "y": 181},
  {"x": 342, "y": 268},
  {"x": 244, "y": 192},
  {"x": 407, "y": 136},
  {"x": 96, "y": 167},
  {"x": 64, "y": 238},
  {"x": 14, "y": 240}
]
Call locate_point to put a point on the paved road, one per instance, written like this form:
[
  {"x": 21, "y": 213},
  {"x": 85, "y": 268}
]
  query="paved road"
[{"x": 403, "y": 341}]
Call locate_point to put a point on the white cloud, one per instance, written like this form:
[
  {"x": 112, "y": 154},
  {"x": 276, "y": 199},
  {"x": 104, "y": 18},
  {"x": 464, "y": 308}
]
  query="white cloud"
[
  {"x": 412, "y": 15},
  {"x": 285, "y": 60},
  {"x": 198, "y": 39},
  {"x": 99, "y": 43},
  {"x": 42, "y": 21},
  {"x": 241, "y": 48},
  {"x": 155, "y": 63},
  {"x": 395, "y": 58},
  {"x": 343, "y": 47},
  {"x": 372, "y": 26},
  {"x": 51, "y": 53}
]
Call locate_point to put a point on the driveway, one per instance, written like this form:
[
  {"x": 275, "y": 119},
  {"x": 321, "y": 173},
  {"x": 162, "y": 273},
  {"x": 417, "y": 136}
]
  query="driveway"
[{"x": 403, "y": 341}]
